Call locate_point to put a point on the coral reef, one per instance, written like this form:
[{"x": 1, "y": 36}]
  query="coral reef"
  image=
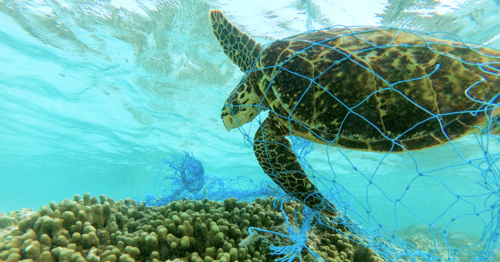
[
  {"x": 9, "y": 221},
  {"x": 102, "y": 229}
]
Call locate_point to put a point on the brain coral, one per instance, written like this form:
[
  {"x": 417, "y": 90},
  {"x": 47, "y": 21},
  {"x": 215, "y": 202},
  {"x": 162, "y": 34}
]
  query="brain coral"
[{"x": 103, "y": 229}]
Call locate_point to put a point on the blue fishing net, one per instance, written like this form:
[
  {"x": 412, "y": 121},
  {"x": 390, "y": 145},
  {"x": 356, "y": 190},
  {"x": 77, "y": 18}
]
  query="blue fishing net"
[
  {"x": 189, "y": 181},
  {"x": 188, "y": 173},
  {"x": 410, "y": 206},
  {"x": 302, "y": 148},
  {"x": 297, "y": 237}
]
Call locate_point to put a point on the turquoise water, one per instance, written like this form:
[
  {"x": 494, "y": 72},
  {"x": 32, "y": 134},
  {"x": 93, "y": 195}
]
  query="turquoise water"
[{"x": 94, "y": 95}]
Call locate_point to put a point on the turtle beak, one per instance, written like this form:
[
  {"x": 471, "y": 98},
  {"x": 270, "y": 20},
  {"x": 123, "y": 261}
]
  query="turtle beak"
[
  {"x": 233, "y": 115},
  {"x": 229, "y": 122},
  {"x": 229, "y": 119}
]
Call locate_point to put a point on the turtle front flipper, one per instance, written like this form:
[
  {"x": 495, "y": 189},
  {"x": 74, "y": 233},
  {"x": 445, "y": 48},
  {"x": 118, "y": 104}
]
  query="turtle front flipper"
[
  {"x": 240, "y": 48},
  {"x": 273, "y": 151}
]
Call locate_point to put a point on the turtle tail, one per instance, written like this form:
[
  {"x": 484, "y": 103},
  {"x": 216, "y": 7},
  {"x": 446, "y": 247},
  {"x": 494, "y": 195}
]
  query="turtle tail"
[
  {"x": 274, "y": 155},
  {"x": 240, "y": 48}
]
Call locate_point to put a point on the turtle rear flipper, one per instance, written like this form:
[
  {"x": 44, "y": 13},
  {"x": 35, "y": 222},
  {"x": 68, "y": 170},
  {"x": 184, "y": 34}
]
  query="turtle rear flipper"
[
  {"x": 279, "y": 162},
  {"x": 240, "y": 48}
]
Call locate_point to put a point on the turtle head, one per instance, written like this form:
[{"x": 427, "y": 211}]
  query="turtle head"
[{"x": 242, "y": 105}]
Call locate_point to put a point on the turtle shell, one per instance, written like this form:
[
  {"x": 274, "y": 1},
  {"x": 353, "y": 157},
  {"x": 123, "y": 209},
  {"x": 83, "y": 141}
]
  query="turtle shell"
[{"x": 378, "y": 89}]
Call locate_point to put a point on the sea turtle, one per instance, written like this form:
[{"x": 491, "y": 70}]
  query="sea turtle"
[{"x": 366, "y": 88}]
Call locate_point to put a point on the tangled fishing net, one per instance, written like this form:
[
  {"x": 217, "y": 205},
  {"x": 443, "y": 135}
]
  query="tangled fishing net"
[
  {"x": 188, "y": 174},
  {"x": 189, "y": 181},
  {"x": 411, "y": 206}
]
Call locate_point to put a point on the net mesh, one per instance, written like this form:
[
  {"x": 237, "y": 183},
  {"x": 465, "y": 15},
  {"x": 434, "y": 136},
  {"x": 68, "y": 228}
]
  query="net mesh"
[
  {"x": 437, "y": 212},
  {"x": 417, "y": 205}
]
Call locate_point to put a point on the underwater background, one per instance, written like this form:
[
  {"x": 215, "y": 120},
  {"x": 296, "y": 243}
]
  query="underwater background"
[{"x": 95, "y": 94}]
